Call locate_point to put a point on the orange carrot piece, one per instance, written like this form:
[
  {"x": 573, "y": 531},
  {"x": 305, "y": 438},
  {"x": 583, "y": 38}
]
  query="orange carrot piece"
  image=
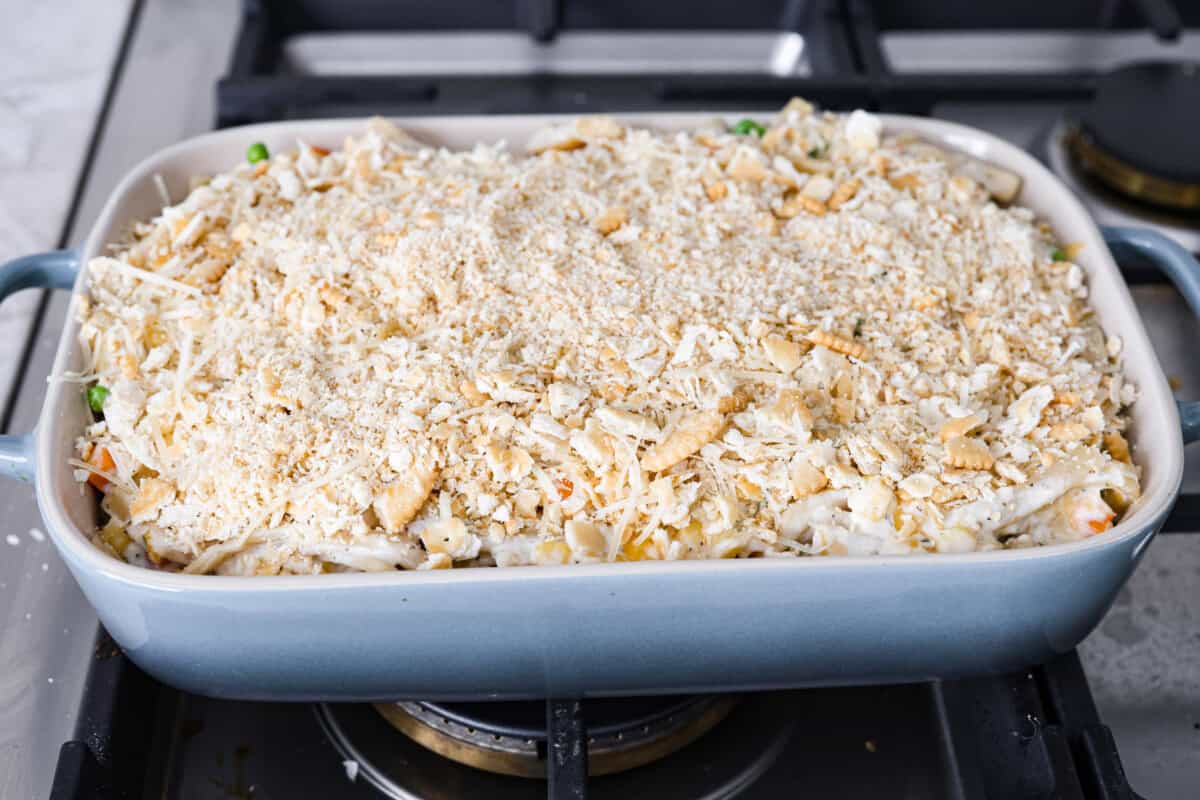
[
  {"x": 564, "y": 486},
  {"x": 101, "y": 459}
]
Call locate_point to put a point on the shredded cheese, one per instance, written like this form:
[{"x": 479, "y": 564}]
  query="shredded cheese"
[{"x": 393, "y": 355}]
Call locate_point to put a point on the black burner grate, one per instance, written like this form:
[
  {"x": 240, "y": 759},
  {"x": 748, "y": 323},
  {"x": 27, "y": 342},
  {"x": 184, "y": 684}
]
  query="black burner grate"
[
  {"x": 849, "y": 67},
  {"x": 1028, "y": 734}
]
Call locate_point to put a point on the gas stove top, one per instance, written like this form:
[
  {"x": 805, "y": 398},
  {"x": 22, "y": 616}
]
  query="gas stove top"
[
  {"x": 1033, "y": 733},
  {"x": 1023, "y": 72}
]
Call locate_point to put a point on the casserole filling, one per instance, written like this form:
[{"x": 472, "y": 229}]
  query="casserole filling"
[{"x": 622, "y": 344}]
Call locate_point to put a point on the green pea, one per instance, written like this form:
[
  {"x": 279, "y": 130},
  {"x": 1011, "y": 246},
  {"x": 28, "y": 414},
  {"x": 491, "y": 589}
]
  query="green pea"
[
  {"x": 257, "y": 152},
  {"x": 748, "y": 126},
  {"x": 1058, "y": 255},
  {"x": 96, "y": 395}
]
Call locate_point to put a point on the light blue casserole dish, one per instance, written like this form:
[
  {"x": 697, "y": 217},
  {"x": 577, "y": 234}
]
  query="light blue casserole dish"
[{"x": 612, "y": 629}]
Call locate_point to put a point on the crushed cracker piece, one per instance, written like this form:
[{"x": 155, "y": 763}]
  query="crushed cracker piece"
[
  {"x": 784, "y": 354},
  {"x": 843, "y": 194},
  {"x": 746, "y": 165},
  {"x": 152, "y": 495},
  {"x": 612, "y": 219},
  {"x": 686, "y": 440},
  {"x": 733, "y": 402},
  {"x": 1069, "y": 432},
  {"x": 964, "y": 453},
  {"x": 960, "y": 426},
  {"x": 806, "y": 479},
  {"x": 400, "y": 501},
  {"x": 838, "y": 344},
  {"x": 1117, "y": 447}
]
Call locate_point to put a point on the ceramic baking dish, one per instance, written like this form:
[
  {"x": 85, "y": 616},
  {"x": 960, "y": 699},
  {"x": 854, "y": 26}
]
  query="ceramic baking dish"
[{"x": 606, "y": 629}]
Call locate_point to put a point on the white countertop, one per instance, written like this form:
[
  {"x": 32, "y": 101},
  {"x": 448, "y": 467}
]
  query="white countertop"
[{"x": 55, "y": 58}]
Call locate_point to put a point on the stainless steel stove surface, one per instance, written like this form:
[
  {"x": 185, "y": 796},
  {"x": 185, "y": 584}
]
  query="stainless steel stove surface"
[{"x": 1033, "y": 734}]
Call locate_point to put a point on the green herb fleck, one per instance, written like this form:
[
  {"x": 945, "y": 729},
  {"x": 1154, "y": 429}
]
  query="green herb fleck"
[
  {"x": 858, "y": 327},
  {"x": 96, "y": 395},
  {"x": 1058, "y": 255},
  {"x": 257, "y": 152},
  {"x": 748, "y": 126},
  {"x": 816, "y": 151}
]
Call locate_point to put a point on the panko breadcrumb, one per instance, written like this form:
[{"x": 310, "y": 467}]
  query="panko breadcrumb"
[{"x": 622, "y": 344}]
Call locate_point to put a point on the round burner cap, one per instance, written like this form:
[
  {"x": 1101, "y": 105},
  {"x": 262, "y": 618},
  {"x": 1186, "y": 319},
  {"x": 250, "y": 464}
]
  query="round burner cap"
[
  {"x": 1139, "y": 132},
  {"x": 623, "y": 733}
]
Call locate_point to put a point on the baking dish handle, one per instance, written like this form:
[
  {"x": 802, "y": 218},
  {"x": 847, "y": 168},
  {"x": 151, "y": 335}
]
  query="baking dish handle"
[
  {"x": 1174, "y": 261},
  {"x": 54, "y": 270}
]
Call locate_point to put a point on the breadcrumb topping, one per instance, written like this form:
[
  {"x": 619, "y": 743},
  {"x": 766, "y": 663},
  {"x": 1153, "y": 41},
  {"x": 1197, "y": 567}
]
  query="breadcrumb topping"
[{"x": 621, "y": 344}]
